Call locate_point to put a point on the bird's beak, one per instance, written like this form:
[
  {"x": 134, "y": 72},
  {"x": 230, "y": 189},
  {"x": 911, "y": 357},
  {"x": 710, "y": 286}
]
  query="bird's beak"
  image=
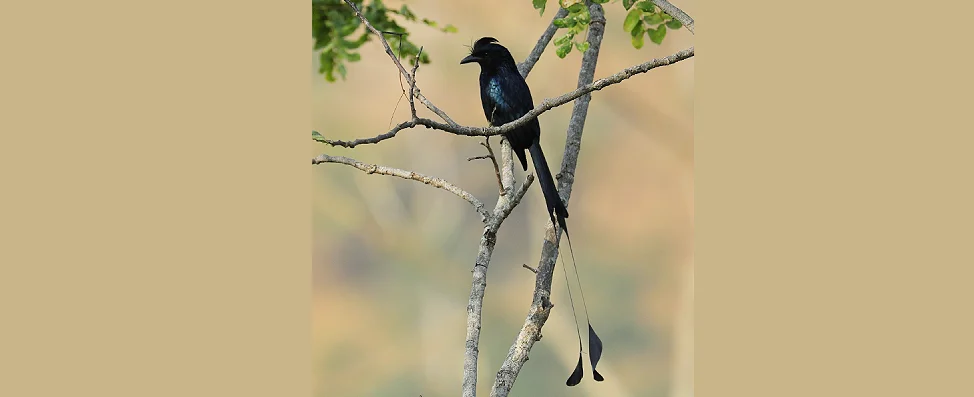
[{"x": 469, "y": 59}]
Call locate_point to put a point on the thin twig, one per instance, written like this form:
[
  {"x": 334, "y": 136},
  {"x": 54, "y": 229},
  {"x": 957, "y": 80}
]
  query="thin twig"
[
  {"x": 412, "y": 86},
  {"x": 493, "y": 160},
  {"x": 484, "y": 157},
  {"x": 533, "y": 270},
  {"x": 429, "y": 180},
  {"x": 409, "y": 79}
]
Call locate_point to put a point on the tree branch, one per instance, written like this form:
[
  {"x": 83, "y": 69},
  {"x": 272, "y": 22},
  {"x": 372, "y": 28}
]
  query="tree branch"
[
  {"x": 545, "y": 105},
  {"x": 541, "y": 304},
  {"x": 429, "y": 180},
  {"x": 409, "y": 78},
  {"x": 525, "y": 67},
  {"x": 493, "y": 160},
  {"x": 412, "y": 86},
  {"x": 675, "y": 12},
  {"x": 505, "y": 204}
]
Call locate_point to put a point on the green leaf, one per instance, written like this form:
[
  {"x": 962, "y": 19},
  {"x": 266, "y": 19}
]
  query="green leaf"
[
  {"x": 576, "y": 8},
  {"x": 327, "y": 62},
  {"x": 562, "y": 40},
  {"x": 600, "y": 1},
  {"x": 628, "y": 4},
  {"x": 632, "y": 19},
  {"x": 564, "y": 49},
  {"x": 353, "y": 56},
  {"x": 674, "y": 24},
  {"x": 341, "y": 70},
  {"x": 406, "y": 13},
  {"x": 637, "y": 41},
  {"x": 653, "y": 19},
  {"x": 637, "y": 35},
  {"x": 639, "y": 29},
  {"x": 583, "y": 17},
  {"x": 563, "y": 22},
  {"x": 646, "y": 6},
  {"x": 582, "y": 47},
  {"x": 450, "y": 29},
  {"x": 657, "y": 35},
  {"x": 539, "y": 5},
  {"x": 317, "y": 136}
]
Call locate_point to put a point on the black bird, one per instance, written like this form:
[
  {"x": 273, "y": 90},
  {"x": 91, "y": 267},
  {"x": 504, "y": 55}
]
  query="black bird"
[{"x": 506, "y": 97}]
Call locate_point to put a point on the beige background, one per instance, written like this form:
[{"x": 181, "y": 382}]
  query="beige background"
[{"x": 155, "y": 226}]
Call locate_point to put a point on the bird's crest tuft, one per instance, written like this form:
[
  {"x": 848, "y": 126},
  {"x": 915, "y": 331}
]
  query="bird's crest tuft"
[{"x": 484, "y": 41}]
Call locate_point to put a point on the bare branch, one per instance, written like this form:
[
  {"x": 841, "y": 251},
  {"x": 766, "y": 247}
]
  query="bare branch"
[
  {"x": 382, "y": 39},
  {"x": 505, "y": 204},
  {"x": 429, "y": 180},
  {"x": 376, "y": 139},
  {"x": 676, "y": 13},
  {"x": 409, "y": 78},
  {"x": 545, "y": 105},
  {"x": 493, "y": 160},
  {"x": 412, "y": 87},
  {"x": 533, "y": 270},
  {"x": 525, "y": 67},
  {"x": 541, "y": 304}
]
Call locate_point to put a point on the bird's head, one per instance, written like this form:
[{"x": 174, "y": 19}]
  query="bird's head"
[{"x": 489, "y": 54}]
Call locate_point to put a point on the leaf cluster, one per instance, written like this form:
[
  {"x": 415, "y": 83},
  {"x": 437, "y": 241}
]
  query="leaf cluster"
[
  {"x": 643, "y": 19},
  {"x": 338, "y": 33}
]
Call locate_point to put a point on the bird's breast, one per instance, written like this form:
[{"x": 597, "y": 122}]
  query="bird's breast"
[{"x": 496, "y": 94}]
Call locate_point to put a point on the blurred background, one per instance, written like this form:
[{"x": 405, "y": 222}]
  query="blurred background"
[{"x": 393, "y": 258}]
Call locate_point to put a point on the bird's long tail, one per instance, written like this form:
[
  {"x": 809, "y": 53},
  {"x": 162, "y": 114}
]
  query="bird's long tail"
[
  {"x": 557, "y": 212},
  {"x": 556, "y": 209}
]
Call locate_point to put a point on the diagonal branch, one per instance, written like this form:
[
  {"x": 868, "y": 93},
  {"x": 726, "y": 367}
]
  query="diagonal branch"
[
  {"x": 525, "y": 67},
  {"x": 409, "y": 78},
  {"x": 429, "y": 180},
  {"x": 675, "y": 12}
]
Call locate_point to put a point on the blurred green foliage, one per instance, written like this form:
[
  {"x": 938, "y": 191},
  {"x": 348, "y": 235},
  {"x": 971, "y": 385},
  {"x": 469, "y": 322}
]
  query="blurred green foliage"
[
  {"x": 639, "y": 22},
  {"x": 338, "y": 32}
]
